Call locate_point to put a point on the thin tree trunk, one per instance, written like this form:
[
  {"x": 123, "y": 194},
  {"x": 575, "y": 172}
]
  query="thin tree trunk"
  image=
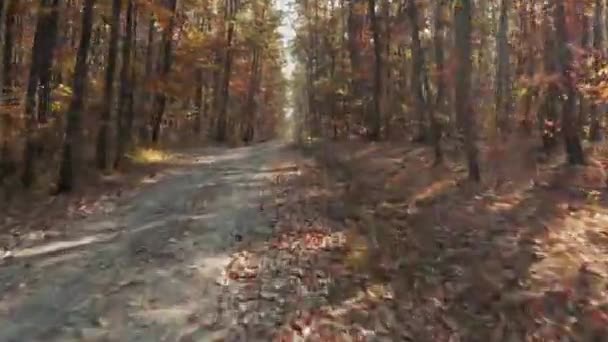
[
  {"x": 166, "y": 60},
  {"x": 574, "y": 149},
  {"x": 417, "y": 74},
  {"x": 598, "y": 46},
  {"x": 70, "y": 154},
  {"x": 220, "y": 134},
  {"x": 464, "y": 110},
  {"x": 502, "y": 68},
  {"x": 148, "y": 106},
  {"x": 439, "y": 55},
  {"x": 198, "y": 101},
  {"x": 585, "y": 44},
  {"x": 355, "y": 28},
  {"x": 124, "y": 120},
  {"x": 104, "y": 131},
  {"x": 9, "y": 48},
  {"x": 375, "y": 118},
  {"x": 248, "y": 114},
  {"x": 548, "y": 119}
]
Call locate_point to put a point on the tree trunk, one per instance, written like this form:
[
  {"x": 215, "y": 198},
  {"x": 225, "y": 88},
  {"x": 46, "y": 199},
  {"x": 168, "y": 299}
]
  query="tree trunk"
[
  {"x": 417, "y": 74},
  {"x": 70, "y": 155},
  {"x": 147, "y": 98},
  {"x": 7, "y": 162},
  {"x": 248, "y": 114},
  {"x": 46, "y": 63},
  {"x": 548, "y": 119},
  {"x": 598, "y": 46},
  {"x": 9, "y": 48},
  {"x": 502, "y": 68},
  {"x": 585, "y": 44},
  {"x": 42, "y": 54},
  {"x": 2, "y": 20},
  {"x": 220, "y": 134},
  {"x": 355, "y": 29},
  {"x": 439, "y": 55},
  {"x": 198, "y": 102},
  {"x": 166, "y": 60},
  {"x": 526, "y": 64},
  {"x": 106, "y": 115},
  {"x": 464, "y": 109},
  {"x": 124, "y": 120},
  {"x": 572, "y": 141},
  {"x": 375, "y": 118}
]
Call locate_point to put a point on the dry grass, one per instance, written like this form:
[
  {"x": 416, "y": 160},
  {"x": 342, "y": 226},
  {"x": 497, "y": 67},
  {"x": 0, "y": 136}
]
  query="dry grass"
[{"x": 149, "y": 155}]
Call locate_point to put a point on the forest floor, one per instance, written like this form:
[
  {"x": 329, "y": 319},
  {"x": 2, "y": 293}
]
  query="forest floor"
[{"x": 336, "y": 241}]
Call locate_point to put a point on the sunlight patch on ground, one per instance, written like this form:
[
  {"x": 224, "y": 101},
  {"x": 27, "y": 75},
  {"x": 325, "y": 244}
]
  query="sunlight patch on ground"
[
  {"x": 172, "y": 315},
  {"x": 149, "y": 156},
  {"x": 506, "y": 203},
  {"x": 433, "y": 190},
  {"x": 358, "y": 253},
  {"x": 572, "y": 246},
  {"x": 61, "y": 246}
]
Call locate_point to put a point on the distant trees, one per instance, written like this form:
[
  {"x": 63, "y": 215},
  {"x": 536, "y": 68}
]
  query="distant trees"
[
  {"x": 71, "y": 90},
  {"x": 468, "y": 69}
]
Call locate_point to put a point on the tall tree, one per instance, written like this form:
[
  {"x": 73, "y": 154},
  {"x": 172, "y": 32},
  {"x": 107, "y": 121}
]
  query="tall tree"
[
  {"x": 106, "y": 113},
  {"x": 124, "y": 120},
  {"x": 165, "y": 67},
  {"x": 595, "y": 132},
  {"x": 70, "y": 153},
  {"x": 572, "y": 142},
  {"x": 464, "y": 110},
  {"x": 42, "y": 57},
  {"x": 502, "y": 67},
  {"x": 7, "y": 162},
  {"x": 418, "y": 99},
  {"x": 375, "y": 116},
  {"x": 438, "y": 43},
  {"x": 230, "y": 11},
  {"x": 355, "y": 24},
  {"x": 148, "y": 72}
]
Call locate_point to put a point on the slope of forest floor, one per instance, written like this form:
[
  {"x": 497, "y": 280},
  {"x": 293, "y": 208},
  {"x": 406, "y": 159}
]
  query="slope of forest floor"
[
  {"x": 372, "y": 243},
  {"x": 343, "y": 241}
]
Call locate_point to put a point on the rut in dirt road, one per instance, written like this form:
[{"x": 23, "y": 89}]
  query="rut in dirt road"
[{"x": 149, "y": 270}]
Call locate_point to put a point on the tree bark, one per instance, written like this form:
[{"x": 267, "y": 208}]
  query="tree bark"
[
  {"x": 220, "y": 133},
  {"x": 355, "y": 32},
  {"x": 166, "y": 60},
  {"x": 124, "y": 121},
  {"x": 70, "y": 154},
  {"x": 417, "y": 74},
  {"x": 503, "y": 96},
  {"x": 44, "y": 44},
  {"x": 148, "y": 105},
  {"x": 104, "y": 130},
  {"x": 7, "y": 162},
  {"x": 572, "y": 143},
  {"x": 439, "y": 55},
  {"x": 464, "y": 109},
  {"x": 595, "y": 131},
  {"x": 375, "y": 117}
]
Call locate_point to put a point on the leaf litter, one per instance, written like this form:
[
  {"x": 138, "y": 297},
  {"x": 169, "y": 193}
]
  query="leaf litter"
[{"x": 428, "y": 258}]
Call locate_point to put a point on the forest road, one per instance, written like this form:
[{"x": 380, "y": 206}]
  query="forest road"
[{"x": 151, "y": 269}]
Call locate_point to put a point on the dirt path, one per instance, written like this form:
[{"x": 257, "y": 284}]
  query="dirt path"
[{"x": 149, "y": 270}]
